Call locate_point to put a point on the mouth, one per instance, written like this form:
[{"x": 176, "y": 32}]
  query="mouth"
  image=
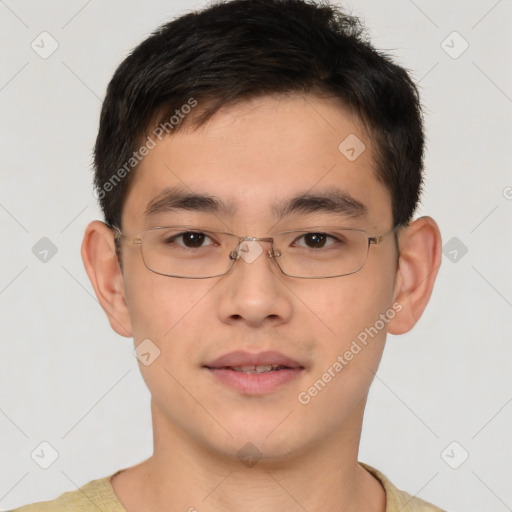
[
  {"x": 260, "y": 362},
  {"x": 263, "y": 368},
  {"x": 255, "y": 374}
]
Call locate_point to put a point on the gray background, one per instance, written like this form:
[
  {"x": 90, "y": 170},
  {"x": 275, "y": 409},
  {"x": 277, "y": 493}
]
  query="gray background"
[{"x": 69, "y": 380}]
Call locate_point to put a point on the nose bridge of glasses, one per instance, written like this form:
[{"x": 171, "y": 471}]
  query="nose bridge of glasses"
[{"x": 249, "y": 249}]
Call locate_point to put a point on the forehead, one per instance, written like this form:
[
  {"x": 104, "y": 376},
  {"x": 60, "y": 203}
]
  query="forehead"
[{"x": 254, "y": 159}]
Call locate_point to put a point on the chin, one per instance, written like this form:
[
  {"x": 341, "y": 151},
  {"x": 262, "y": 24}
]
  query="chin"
[{"x": 263, "y": 443}]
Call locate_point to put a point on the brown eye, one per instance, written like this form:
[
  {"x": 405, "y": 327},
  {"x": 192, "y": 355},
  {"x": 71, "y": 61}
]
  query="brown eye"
[
  {"x": 316, "y": 240},
  {"x": 190, "y": 239}
]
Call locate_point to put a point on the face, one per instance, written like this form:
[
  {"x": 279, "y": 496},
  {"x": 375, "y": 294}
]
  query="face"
[{"x": 251, "y": 156}]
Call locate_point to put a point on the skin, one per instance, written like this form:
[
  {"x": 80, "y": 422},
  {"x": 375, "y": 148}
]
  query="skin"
[{"x": 251, "y": 154}]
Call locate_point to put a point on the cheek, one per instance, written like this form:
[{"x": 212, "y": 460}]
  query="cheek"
[
  {"x": 350, "y": 318},
  {"x": 156, "y": 304},
  {"x": 344, "y": 306},
  {"x": 351, "y": 349}
]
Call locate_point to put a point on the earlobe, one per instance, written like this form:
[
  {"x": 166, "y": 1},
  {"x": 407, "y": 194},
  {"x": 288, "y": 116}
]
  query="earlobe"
[
  {"x": 102, "y": 267},
  {"x": 419, "y": 262}
]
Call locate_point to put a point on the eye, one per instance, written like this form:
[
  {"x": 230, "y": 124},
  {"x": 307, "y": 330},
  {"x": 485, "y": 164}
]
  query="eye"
[
  {"x": 190, "y": 239},
  {"x": 317, "y": 240}
]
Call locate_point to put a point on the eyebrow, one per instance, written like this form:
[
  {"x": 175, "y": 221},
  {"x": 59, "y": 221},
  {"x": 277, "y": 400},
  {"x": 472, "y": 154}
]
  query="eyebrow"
[{"x": 331, "y": 200}]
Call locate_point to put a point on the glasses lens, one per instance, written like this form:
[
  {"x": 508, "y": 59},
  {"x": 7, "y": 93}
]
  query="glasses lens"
[
  {"x": 323, "y": 252},
  {"x": 184, "y": 251}
]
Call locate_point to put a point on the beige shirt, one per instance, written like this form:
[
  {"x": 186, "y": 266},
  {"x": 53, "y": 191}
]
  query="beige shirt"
[{"x": 98, "y": 495}]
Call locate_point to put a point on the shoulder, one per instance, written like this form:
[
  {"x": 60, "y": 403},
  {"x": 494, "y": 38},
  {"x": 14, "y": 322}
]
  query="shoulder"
[
  {"x": 398, "y": 500},
  {"x": 91, "y": 497}
]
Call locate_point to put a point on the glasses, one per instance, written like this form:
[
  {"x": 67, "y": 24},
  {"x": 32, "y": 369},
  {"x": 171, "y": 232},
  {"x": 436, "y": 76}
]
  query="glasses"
[{"x": 194, "y": 253}]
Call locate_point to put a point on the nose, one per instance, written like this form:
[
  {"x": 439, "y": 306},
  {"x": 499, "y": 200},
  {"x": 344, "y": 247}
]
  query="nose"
[{"x": 253, "y": 291}]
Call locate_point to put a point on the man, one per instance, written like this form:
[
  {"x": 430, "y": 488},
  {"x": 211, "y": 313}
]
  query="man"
[{"x": 258, "y": 164}]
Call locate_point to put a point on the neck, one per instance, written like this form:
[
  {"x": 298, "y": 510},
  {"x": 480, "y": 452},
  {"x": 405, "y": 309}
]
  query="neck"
[{"x": 185, "y": 475}]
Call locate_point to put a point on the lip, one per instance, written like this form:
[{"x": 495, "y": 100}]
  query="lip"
[
  {"x": 241, "y": 358},
  {"x": 254, "y": 383}
]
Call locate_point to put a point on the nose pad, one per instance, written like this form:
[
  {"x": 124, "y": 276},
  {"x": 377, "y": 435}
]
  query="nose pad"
[{"x": 249, "y": 250}]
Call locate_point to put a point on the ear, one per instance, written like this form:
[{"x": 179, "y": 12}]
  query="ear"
[
  {"x": 102, "y": 267},
  {"x": 419, "y": 262}
]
